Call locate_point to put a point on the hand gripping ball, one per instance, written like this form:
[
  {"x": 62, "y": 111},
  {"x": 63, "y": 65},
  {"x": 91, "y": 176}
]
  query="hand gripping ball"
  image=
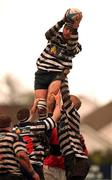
[{"x": 71, "y": 14}]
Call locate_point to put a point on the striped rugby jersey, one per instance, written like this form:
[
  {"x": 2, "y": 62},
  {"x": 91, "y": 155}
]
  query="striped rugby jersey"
[
  {"x": 69, "y": 126},
  {"x": 58, "y": 53},
  {"x": 10, "y": 144},
  {"x": 33, "y": 134}
]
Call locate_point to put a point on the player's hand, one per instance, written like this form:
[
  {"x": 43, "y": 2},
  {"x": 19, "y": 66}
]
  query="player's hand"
[
  {"x": 65, "y": 18},
  {"x": 35, "y": 176},
  {"x": 66, "y": 71},
  {"x": 57, "y": 96},
  {"x": 77, "y": 20}
]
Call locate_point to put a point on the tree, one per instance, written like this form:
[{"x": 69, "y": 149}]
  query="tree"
[{"x": 12, "y": 91}]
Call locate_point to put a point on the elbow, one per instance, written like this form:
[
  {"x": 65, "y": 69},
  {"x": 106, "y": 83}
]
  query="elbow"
[
  {"x": 79, "y": 47},
  {"x": 47, "y": 35}
]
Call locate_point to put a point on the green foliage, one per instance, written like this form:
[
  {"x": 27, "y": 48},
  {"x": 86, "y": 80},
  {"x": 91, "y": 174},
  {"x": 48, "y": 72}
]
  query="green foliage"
[{"x": 101, "y": 158}]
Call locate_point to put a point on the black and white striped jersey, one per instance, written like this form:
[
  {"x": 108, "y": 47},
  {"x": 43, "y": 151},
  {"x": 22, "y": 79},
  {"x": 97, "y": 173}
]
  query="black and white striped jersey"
[
  {"x": 58, "y": 53},
  {"x": 69, "y": 126},
  {"x": 10, "y": 144},
  {"x": 33, "y": 135}
]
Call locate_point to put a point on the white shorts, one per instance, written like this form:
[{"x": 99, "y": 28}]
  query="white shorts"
[{"x": 54, "y": 173}]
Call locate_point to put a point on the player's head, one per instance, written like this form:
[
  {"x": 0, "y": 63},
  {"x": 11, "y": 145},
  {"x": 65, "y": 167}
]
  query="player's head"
[
  {"x": 5, "y": 121},
  {"x": 76, "y": 101},
  {"x": 23, "y": 114}
]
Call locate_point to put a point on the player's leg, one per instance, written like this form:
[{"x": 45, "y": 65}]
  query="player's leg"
[
  {"x": 54, "y": 88},
  {"x": 41, "y": 94},
  {"x": 41, "y": 88}
]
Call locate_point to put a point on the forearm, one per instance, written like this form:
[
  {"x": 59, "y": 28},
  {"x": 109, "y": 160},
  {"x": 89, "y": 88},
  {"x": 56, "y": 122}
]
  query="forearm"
[
  {"x": 68, "y": 106},
  {"x": 77, "y": 48},
  {"x": 58, "y": 106},
  {"x": 65, "y": 94},
  {"x": 25, "y": 162},
  {"x": 65, "y": 90},
  {"x": 57, "y": 113},
  {"x": 77, "y": 45},
  {"x": 52, "y": 31}
]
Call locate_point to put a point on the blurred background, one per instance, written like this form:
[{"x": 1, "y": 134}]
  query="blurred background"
[{"x": 23, "y": 24}]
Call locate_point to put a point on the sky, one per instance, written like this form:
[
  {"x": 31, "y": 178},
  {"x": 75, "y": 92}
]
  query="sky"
[{"x": 23, "y": 24}]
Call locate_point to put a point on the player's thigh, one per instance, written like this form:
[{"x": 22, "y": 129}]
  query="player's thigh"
[
  {"x": 49, "y": 173},
  {"x": 41, "y": 93},
  {"x": 54, "y": 87}
]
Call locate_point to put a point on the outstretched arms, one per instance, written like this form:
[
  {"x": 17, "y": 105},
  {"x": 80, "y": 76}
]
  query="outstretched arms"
[
  {"x": 52, "y": 31},
  {"x": 25, "y": 163}
]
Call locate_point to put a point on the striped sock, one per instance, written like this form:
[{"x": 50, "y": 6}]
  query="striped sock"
[{"x": 42, "y": 109}]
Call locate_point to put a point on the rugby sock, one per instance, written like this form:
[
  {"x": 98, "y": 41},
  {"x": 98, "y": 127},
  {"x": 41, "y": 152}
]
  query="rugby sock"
[{"x": 42, "y": 109}]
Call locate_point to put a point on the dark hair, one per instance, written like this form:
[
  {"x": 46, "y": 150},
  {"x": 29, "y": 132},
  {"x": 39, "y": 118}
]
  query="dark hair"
[
  {"x": 5, "y": 121},
  {"x": 23, "y": 114}
]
